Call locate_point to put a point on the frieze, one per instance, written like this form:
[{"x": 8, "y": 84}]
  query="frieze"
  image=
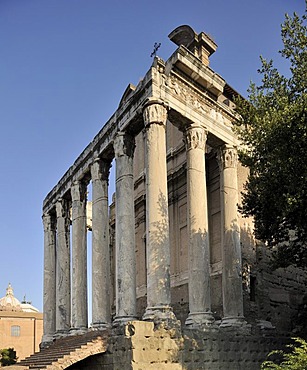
[
  {"x": 186, "y": 93},
  {"x": 200, "y": 101}
]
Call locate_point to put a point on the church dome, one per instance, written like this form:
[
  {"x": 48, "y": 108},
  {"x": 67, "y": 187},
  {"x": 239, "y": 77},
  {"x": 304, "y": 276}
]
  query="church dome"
[
  {"x": 27, "y": 306},
  {"x": 9, "y": 302}
]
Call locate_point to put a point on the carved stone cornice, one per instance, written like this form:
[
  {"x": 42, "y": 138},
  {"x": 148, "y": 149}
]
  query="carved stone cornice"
[
  {"x": 227, "y": 157},
  {"x": 154, "y": 113},
  {"x": 124, "y": 144},
  {"x": 195, "y": 137},
  {"x": 100, "y": 170}
]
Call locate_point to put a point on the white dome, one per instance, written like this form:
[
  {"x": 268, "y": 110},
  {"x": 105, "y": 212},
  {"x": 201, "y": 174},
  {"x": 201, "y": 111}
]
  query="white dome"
[
  {"x": 9, "y": 302},
  {"x": 27, "y": 307}
]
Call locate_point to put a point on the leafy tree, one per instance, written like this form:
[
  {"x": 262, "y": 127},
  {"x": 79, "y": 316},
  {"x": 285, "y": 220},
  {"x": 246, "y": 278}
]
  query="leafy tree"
[
  {"x": 8, "y": 357},
  {"x": 295, "y": 360},
  {"x": 273, "y": 130}
]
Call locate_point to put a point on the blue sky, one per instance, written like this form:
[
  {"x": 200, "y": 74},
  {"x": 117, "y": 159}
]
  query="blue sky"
[{"x": 64, "y": 65}]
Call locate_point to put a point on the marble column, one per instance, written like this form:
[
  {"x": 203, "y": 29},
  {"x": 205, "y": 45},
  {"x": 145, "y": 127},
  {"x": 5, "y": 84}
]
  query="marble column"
[
  {"x": 231, "y": 249},
  {"x": 79, "y": 257},
  {"x": 157, "y": 222},
  {"x": 101, "y": 305},
  {"x": 125, "y": 229},
  {"x": 63, "y": 268},
  {"x": 49, "y": 311},
  {"x": 199, "y": 251}
]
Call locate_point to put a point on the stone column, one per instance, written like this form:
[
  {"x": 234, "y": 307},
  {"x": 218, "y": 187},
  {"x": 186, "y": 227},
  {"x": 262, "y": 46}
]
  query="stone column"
[
  {"x": 79, "y": 257},
  {"x": 199, "y": 251},
  {"x": 101, "y": 304},
  {"x": 157, "y": 223},
  {"x": 125, "y": 230},
  {"x": 63, "y": 268},
  {"x": 49, "y": 311},
  {"x": 231, "y": 248}
]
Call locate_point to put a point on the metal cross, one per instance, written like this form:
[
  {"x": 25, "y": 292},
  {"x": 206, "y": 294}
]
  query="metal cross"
[{"x": 156, "y": 47}]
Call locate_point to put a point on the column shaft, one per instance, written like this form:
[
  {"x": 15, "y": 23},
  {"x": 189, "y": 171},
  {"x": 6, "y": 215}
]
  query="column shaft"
[
  {"x": 49, "y": 311},
  {"x": 101, "y": 304},
  {"x": 125, "y": 229},
  {"x": 63, "y": 268},
  {"x": 199, "y": 251},
  {"x": 79, "y": 256},
  {"x": 231, "y": 248},
  {"x": 157, "y": 222}
]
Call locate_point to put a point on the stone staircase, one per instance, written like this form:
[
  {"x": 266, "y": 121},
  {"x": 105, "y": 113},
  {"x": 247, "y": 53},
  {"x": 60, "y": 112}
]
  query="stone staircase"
[{"x": 67, "y": 351}]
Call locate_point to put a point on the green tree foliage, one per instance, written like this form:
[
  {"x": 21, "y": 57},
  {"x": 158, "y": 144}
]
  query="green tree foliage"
[
  {"x": 8, "y": 357},
  {"x": 294, "y": 360},
  {"x": 273, "y": 130}
]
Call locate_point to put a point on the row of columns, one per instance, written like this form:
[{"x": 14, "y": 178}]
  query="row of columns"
[{"x": 64, "y": 312}]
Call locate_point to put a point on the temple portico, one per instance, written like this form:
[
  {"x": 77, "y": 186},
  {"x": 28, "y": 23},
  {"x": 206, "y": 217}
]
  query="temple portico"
[{"x": 181, "y": 98}]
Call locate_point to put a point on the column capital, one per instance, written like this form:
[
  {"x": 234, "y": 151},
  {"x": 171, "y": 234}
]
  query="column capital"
[
  {"x": 48, "y": 222},
  {"x": 124, "y": 144},
  {"x": 61, "y": 207},
  {"x": 227, "y": 157},
  {"x": 195, "y": 137},
  {"x": 100, "y": 169},
  {"x": 155, "y": 112},
  {"x": 78, "y": 191}
]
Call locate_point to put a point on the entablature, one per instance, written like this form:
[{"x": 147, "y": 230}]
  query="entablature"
[{"x": 188, "y": 88}]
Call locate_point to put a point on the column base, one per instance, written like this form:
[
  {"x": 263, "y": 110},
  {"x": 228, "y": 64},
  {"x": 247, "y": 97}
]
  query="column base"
[
  {"x": 201, "y": 320},
  {"x": 122, "y": 320},
  {"x": 47, "y": 340},
  {"x": 235, "y": 323},
  {"x": 100, "y": 325},
  {"x": 159, "y": 313},
  {"x": 61, "y": 334},
  {"x": 78, "y": 331}
]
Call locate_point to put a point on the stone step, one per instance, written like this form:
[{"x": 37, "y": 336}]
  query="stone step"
[{"x": 60, "y": 348}]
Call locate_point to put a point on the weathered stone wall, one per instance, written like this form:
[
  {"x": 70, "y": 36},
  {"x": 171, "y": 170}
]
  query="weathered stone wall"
[
  {"x": 140, "y": 346},
  {"x": 280, "y": 294}
]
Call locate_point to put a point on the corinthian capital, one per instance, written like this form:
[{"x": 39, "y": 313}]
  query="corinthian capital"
[
  {"x": 48, "y": 222},
  {"x": 228, "y": 157},
  {"x": 155, "y": 113},
  {"x": 124, "y": 144},
  {"x": 78, "y": 191},
  {"x": 61, "y": 208},
  {"x": 100, "y": 169},
  {"x": 195, "y": 137}
]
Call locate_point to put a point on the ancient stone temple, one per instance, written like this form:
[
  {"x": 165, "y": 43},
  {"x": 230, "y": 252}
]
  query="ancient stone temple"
[{"x": 178, "y": 281}]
